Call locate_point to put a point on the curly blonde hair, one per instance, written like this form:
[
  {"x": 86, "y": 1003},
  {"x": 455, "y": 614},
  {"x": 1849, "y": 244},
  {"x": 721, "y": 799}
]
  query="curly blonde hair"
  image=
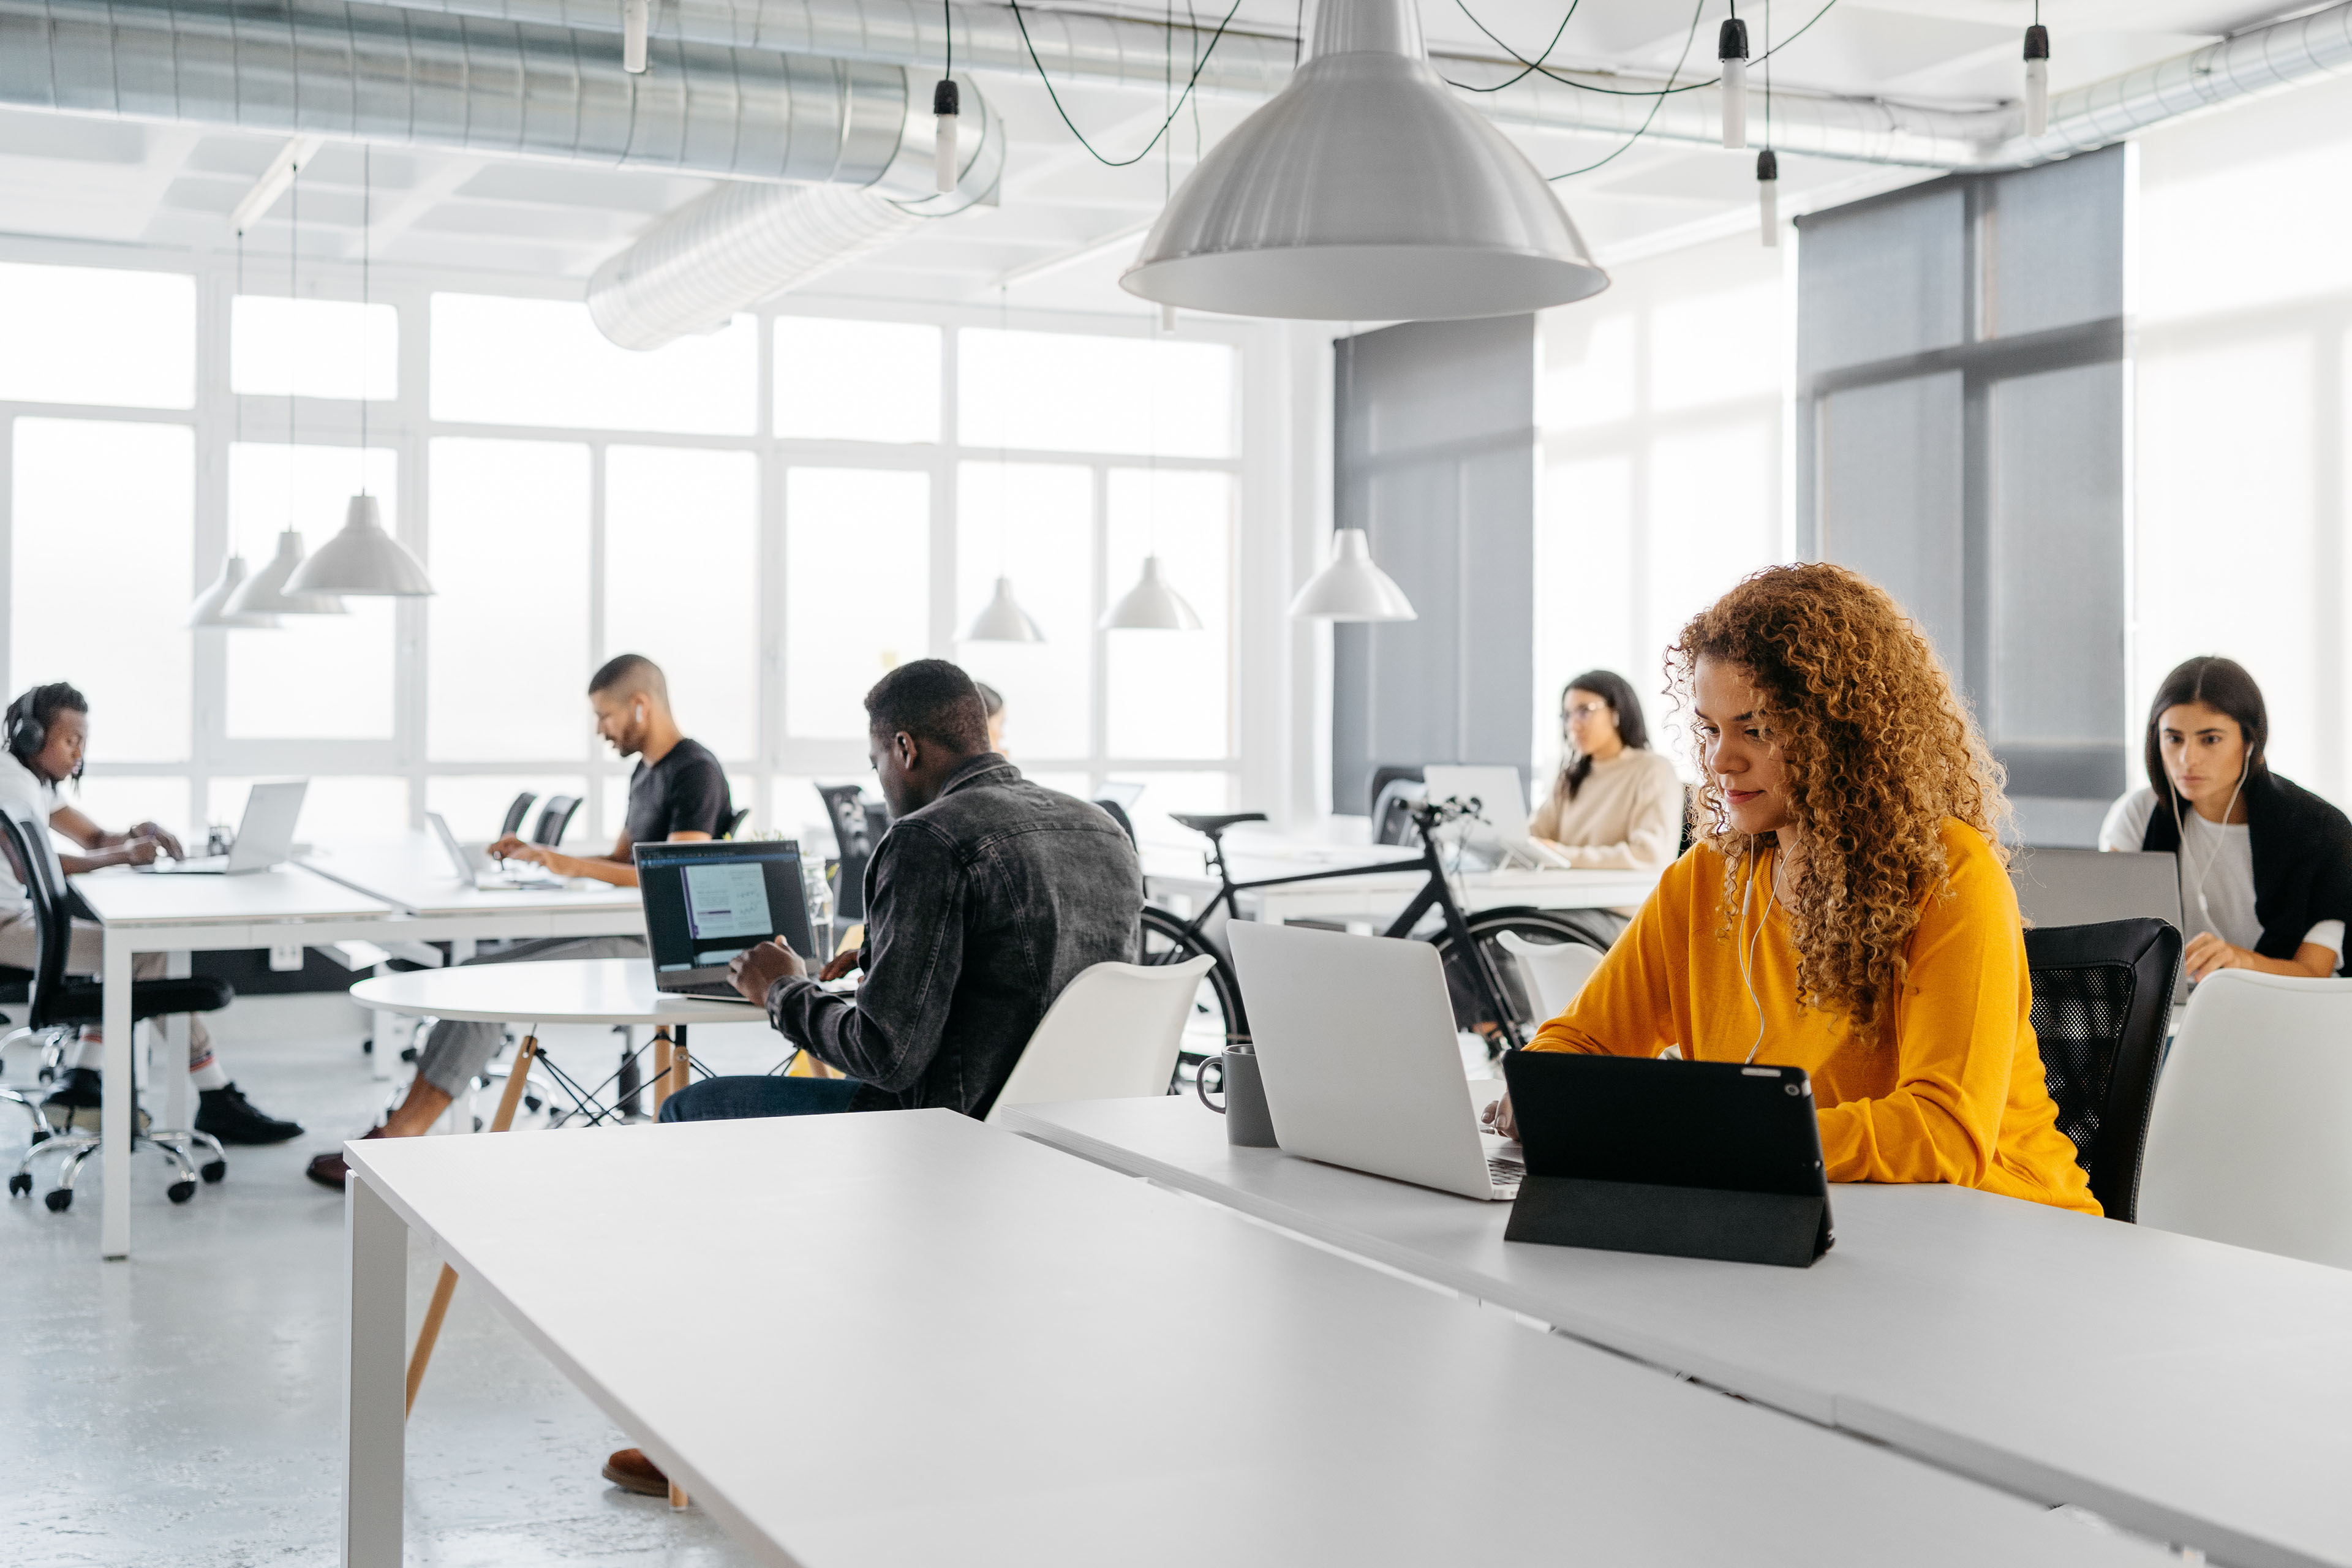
[{"x": 1879, "y": 751}]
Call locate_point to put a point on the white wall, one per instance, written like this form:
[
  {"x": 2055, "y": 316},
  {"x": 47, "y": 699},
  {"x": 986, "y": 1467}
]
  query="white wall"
[
  {"x": 1661, "y": 405},
  {"x": 2244, "y": 296}
]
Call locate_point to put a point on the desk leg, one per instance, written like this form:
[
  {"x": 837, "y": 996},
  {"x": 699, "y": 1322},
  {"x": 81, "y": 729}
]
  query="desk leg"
[
  {"x": 661, "y": 1068},
  {"x": 375, "y": 1435},
  {"x": 383, "y": 1060},
  {"x": 120, "y": 1094},
  {"x": 447, "y": 1286}
]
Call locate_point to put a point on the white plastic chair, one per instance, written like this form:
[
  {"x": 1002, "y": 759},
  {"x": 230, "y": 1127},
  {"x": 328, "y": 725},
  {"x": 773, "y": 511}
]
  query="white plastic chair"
[
  {"x": 2250, "y": 1140},
  {"x": 1557, "y": 969},
  {"x": 1112, "y": 1034}
]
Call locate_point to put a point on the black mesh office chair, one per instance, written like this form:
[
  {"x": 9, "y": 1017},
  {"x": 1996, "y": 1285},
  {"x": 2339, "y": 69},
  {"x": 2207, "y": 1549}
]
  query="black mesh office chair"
[
  {"x": 1393, "y": 806},
  {"x": 845, "y": 807},
  {"x": 555, "y": 820},
  {"x": 15, "y": 991},
  {"x": 1118, "y": 814},
  {"x": 735, "y": 822},
  {"x": 2102, "y": 996},
  {"x": 62, "y": 1002},
  {"x": 516, "y": 810}
]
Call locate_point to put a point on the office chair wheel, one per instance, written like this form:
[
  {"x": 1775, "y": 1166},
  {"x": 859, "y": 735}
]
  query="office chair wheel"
[
  {"x": 216, "y": 1170},
  {"x": 59, "y": 1199},
  {"x": 47, "y": 1074},
  {"x": 20, "y": 1186},
  {"x": 42, "y": 1135},
  {"x": 181, "y": 1191}
]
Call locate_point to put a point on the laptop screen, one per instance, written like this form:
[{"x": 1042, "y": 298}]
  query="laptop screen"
[{"x": 707, "y": 901}]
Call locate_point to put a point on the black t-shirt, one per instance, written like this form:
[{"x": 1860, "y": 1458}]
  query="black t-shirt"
[{"x": 685, "y": 791}]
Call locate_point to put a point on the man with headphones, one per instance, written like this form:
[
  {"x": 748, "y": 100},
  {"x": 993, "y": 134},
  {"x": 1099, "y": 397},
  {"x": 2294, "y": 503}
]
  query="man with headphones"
[
  {"x": 48, "y": 729},
  {"x": 678, "y": 791}
]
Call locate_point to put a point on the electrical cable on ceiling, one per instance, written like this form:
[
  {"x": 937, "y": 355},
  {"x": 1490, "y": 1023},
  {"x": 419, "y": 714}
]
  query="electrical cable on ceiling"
[
  {"x": 1768, "y": 162},
  {"x": 1191, "y": 86},
  {"x": 1656, "y": 102},
  {"x": 1528, "y": 68},
  {"x": 1666, "y": 91}
]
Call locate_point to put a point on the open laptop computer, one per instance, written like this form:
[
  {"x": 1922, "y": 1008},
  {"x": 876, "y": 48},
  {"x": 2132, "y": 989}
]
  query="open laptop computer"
[
  {"x": 487, "y": 875},
  {"x": 708, "y": 900},
  {"x": 1502, "y": 804},
  {"x": 2086, "y": 887},
  {"x": 264, "y": 839},
  {"x": 1357, "y": 1049}
]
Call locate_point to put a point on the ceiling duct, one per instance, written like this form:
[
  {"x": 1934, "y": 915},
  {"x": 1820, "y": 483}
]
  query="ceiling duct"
[
  {"x": 742, "y": 243},
  {"x": 394, "y": 75}
]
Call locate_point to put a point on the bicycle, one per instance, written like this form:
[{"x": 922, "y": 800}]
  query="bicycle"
[{"x": 1491, "y": 997}]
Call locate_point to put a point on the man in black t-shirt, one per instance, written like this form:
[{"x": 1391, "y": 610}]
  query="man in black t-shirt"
[{"x": 677, "y": 793}]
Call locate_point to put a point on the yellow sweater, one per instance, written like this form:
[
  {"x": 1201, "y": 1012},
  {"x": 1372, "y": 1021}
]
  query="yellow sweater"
[{"x": 1952, "y": 1090}]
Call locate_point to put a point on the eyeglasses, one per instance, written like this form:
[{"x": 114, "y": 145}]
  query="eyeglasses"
[{"x": 1582, "y": 710}]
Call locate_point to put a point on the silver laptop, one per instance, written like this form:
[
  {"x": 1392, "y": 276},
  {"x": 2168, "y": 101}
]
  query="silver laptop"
[
  {"x": 1503, "y": 804},
  {"x": 2086, "y": 887},
  {"x": 487, "y": 875},
  {"x": 264, "y": 839},
  {"x": 1356, "y": 1046}
]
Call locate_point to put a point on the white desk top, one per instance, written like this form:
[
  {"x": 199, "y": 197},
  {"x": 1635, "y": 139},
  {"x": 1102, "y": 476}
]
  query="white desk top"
[
  {"x": 2193, "y": 1391},
  {"x": 121, "y": 896},
  {"x": 413, "y": 873},
  {"x": 562, "y": 991},
  {"x": 908, "y": 1339}
]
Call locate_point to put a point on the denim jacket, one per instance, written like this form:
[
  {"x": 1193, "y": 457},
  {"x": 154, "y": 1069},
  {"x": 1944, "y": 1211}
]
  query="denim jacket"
[{"x": 979, "y": 909}]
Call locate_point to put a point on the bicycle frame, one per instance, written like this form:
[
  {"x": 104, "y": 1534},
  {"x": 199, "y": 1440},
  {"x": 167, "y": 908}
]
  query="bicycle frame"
[{"x": 1437, "y": 892}]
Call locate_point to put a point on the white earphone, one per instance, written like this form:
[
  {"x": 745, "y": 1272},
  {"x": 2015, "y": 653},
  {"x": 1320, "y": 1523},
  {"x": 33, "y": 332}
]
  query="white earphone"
[
  {"x": 1747, "y": 952},
  {"x": 2180, "y": 833}
]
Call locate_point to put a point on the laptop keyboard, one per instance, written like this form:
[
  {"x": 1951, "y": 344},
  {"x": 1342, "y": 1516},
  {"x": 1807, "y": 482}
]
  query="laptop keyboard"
[
  {"x": 707, "y": 988},
  {"x": 1506, "y": 1170}
]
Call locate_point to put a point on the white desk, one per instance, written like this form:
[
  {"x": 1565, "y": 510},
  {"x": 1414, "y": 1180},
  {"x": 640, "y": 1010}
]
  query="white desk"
[
  {"x": 562, "y": 991},
  {"x": 1375, "y": 896},
  {"x": 2192, "y": 1392},
  {"x": 906, "y": 1339},
  {"x": 145, "y": 913},
  {"x": 412, "y": 874}
]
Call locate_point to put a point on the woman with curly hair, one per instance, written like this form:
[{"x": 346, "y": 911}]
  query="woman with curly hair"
[{"x": 1847, "y": 909}]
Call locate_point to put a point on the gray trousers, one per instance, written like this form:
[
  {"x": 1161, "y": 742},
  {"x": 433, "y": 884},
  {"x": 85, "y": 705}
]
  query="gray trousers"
[{"x": 456, "y": 1053}]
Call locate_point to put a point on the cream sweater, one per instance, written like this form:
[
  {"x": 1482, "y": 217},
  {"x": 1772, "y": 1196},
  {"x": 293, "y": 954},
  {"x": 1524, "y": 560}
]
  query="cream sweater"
[{"x": 1628, "y": 815}]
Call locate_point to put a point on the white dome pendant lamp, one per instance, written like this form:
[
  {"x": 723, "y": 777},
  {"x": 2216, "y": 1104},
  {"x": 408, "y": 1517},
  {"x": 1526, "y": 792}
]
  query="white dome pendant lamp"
[
  {"x": 1365, "y": 191},
  {"x": 272, "y": 591},
  {"x": 211, "y": 608},
  {"x": 1351, "y": 588},
  {"x": 1152, "y": 606},
  {"x": 1003, "y": 619}
]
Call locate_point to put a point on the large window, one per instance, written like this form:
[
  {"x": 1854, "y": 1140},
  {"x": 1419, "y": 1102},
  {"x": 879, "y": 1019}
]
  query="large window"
[{"x": 778, "y": 512}]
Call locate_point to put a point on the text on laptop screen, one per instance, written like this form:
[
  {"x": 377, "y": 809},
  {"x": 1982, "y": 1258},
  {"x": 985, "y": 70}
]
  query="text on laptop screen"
[{"x": 706, "y": 902}]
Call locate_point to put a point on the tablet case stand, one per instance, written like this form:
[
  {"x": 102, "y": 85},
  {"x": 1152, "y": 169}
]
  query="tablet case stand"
[{"x": 1784, "y": 1229}]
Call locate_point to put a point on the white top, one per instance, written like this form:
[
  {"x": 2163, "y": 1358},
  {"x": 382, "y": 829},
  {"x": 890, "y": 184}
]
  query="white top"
[
  {"x": 413, "y": 873},
  {"x": 1041, "y": 1363},
  {"x": 2189, "y": 1391},
  {"x": 121, "y": 896},
  {"x": 2216, "y": 859},
  {"x": 20, "y": 784},
  {"x": 561, "y": 990}
]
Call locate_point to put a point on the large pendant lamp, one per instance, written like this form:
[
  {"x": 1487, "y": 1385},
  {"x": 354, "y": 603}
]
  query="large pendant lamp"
[
  {"x": 363, "y": 560},
  {"x": 1152, "y": 606},
  {"x": 1351, "y": 588},
  {"x": 1003, "y": 619},
  {"x": 1365, "y": 191}
]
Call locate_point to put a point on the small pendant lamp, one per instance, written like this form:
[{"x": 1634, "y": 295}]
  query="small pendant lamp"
[
  {"x": 272, "y": 592},
  {"x": 1351, "y": 588},
  {"x": 1003, "y": 619},
  {"x": 211, "y": 608},
  {"x": 1152, "y": 606}
]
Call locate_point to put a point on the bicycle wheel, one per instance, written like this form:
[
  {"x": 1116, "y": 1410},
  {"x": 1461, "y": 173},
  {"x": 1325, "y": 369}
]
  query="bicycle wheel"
[
  {"x": 1216, "y": 1018},
  {"x": 1539, "y": 927}
]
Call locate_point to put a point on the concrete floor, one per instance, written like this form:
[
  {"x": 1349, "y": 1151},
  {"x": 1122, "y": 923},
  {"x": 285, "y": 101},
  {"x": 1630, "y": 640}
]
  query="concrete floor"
[{"x": 185, "y": 1407}]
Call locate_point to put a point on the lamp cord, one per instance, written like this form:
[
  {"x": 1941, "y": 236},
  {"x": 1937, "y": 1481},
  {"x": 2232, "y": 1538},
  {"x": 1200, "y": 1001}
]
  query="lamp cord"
[
  {"x": 1190, "y": 84},
  {"x": 367, "y": 187},
  {"x": 1536, "y": 65}
]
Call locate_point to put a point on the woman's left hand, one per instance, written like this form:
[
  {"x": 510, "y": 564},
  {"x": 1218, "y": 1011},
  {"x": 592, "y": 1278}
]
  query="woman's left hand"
[{"x": 2207, "y": 952}]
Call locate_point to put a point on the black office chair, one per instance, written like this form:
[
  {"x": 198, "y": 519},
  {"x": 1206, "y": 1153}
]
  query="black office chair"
[
  {"x": 1392, "y": 807},
  {"x": 555, "y": 820},
  {"x": 15, "y": 991},
  {"x": 845, "y": 807},
  {"x": 2102, "y": 996},
  {"x": 516, "y": 810},
  {"x": 62, "y": 1002},
  {"x": 735, "y": 822},
  {"x": 1118, "y": 814}
]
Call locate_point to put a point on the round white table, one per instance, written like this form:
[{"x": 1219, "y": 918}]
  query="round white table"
[{"x": 562, "y": 991}]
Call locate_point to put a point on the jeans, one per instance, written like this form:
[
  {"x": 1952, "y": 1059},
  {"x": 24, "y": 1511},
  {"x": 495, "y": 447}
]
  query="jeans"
[{"x": 749, "y": 1095}]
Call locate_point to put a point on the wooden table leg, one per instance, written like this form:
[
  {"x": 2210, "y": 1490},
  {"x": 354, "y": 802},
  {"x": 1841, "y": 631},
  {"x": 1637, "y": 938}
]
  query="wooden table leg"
[
  {"x": 447, "y": 1286},
  {"x": 661, "y": 1068},
  {"x": 681, "y": 1064}
]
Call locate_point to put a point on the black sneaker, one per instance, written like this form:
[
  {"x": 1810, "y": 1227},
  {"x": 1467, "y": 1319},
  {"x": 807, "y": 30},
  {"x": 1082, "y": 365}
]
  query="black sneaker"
[
  {"x": 227, "y": 1115},
  {"x": 73, "y": 1106}
]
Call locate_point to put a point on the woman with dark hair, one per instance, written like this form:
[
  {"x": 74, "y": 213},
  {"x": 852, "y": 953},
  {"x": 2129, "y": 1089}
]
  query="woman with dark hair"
[
  {"x": 2265, "y": 866},
  {"x": 992, "y": 700},
  {"x": 1616, "y": 804},
  {"x": 1847, "y": 909}
]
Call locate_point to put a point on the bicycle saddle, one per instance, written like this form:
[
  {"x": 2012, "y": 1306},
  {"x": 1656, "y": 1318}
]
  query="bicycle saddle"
[{"x": 1214, "y": 826}]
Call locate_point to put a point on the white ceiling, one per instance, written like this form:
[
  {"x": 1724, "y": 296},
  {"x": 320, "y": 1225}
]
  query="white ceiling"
[{"x": 173, "y": 185}]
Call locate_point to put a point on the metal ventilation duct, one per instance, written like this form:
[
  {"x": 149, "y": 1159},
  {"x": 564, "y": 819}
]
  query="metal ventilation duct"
[
  {"x": 389, "y": 74},
  {"x": 742, "y": 243}
]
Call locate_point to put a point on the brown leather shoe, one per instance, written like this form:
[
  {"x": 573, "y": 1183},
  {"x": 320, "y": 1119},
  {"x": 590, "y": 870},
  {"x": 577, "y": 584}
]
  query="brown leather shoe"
[
  {"x": 630, "y": 1470},
  {"x": 331, "y": 1169}
]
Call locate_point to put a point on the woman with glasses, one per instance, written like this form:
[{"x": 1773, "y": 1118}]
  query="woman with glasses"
[{"x": 1616, "y": 804}]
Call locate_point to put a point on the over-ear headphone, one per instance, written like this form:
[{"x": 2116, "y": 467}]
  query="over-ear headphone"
[{"x": 26, "y": 733}]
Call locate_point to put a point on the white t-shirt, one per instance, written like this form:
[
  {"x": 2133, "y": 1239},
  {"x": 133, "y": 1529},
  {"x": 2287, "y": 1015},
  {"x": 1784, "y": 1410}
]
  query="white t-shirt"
[
  {"x": 2215, "y": 857},
  {"x": 19, "y": 784}
]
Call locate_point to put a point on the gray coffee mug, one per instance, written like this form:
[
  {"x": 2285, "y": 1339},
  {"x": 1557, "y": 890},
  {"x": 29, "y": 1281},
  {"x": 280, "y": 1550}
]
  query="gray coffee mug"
[{"x": 1248, "y": 1123}]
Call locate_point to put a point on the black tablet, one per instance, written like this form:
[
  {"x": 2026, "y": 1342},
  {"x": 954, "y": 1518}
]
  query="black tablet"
[{"x": 1691, "y": 1159}]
